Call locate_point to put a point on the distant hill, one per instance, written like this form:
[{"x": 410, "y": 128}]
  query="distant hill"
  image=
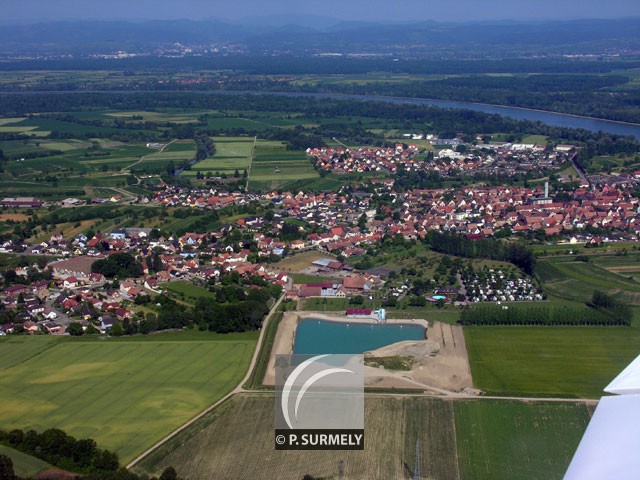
[{"x": 310, "y": 34}]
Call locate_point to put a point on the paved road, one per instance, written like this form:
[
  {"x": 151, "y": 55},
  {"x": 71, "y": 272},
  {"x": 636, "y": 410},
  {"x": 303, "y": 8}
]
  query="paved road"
[
  {"x": 254, "y": 359},
  {"x": 578, "y": 169},
  {"x": 238, "y": 389},
  {"x": 429, "y": 391}
]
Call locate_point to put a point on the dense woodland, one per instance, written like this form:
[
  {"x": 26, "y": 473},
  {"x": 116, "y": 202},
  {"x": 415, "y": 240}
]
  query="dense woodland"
[
  {"x": 344, "y": 118},
  {"x": 490, "y": 248},
  {"x": 121, "y": 265},
  {"x": 7, "y": 472},
  {"x": 64, "y": 451},
  {"x": 588, "y": 95},
  {"x": 581, "y": 87}
]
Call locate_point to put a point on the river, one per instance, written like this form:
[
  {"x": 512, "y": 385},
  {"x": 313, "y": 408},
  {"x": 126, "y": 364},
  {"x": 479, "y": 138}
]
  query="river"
[{"x": 548, "y": 118}]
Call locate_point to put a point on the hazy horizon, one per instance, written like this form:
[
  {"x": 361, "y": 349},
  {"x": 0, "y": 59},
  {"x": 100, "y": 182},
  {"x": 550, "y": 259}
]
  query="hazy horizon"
[{"x": 34, "y": 11}]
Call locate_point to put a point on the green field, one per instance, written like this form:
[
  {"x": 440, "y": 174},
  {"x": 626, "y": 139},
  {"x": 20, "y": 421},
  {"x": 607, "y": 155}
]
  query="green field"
[
  {"x": 459, "y": 440},
  {"x": 333, "y": 304},
  {"x": 613, "y": 163},
  {"x": 254, "y": 121},
  {"x": 76, "y": 163},
  {"x": 302, "y": 278},
  {"x": 606, "y": 261},
  {"x": 18, "y": 129},
  {"x": 517, "y": 441},
  {"x": 181, "y": 152},
  {"x": 536, "y": 139},
  {"x": 225, "y": 123},
  {"x": 24, "y": 465},
  {"x": 269, "y": 166},
  {"x": 233, "y": 146},
  {"x": 126, "y": 393},
  {"x": 188, "y": 291},
  {"x": 566, "y": 278},
  {"x": 181, "y": 146},
  {"x": 627, "y": 265},
  {"x": 155, "y": 117},
  {"x": 274, "y": 167},
  {"x": 44, "y": 126},
  {"x": 549, "y": 361},
  {"x": 232, "y": 153},
  {"x": 221, "y": 164}
]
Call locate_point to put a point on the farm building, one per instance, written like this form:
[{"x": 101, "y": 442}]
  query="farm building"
[
  {"x": 356, "y": 284},
  {"x": 72, "y": 202},
  {"x": 328, "y": 264},
  {"x": 22, "y": 202},
  {"x": 321, "y": 290}
]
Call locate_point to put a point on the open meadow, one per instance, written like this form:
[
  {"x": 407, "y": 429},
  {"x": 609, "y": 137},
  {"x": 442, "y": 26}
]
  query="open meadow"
[
  {"x": 567, "y": 278},
  {"x": 156, "y": 116},
  {"x": 71, "y": 168},
  {"x": 72, "y": 155},
  {"x": 274, "y": 166},
  {"x": 627, "y": 265},
  {"x": 517, "y": 440},
  {"x": 549, "y": 361},
  {"x": 188, "y": 292},
  {"x": 232, "y": 153},
  {"x": 125, "y": 393},
  {"x": 208, "y": 449},
  {"x": 176, "y": 152}
]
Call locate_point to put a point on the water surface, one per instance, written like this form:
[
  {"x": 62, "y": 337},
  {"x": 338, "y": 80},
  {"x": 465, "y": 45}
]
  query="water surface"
[{"x": 315, "y": 337}]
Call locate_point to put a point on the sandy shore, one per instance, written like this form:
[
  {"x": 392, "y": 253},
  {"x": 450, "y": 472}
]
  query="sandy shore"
[
  {"x": 445, "y": 372},
  {"x": 286, "y": 334}
]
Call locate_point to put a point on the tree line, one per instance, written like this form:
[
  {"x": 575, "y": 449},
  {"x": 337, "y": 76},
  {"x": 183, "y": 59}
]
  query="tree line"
[
  {"x": 7, "y": 472},
  {"x": 602, "y": 310},
  {"x": 62, "y": 450},
  {"x": 238, "y": 311},
  {"x": 340, "y": 114},
  {"x": 588, "y": 95},
  {"x": 237, "y": 305},
  {"x": 121, "y": 265},
  {"x": 439, "y": 119},
  {"x": 490, "y": 248}
]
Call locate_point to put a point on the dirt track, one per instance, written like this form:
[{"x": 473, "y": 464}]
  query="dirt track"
[{"x": 628, "y": 268}]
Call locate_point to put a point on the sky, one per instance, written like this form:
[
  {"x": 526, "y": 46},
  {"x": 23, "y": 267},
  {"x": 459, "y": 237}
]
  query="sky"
[{"x": 367, "y": 10}]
